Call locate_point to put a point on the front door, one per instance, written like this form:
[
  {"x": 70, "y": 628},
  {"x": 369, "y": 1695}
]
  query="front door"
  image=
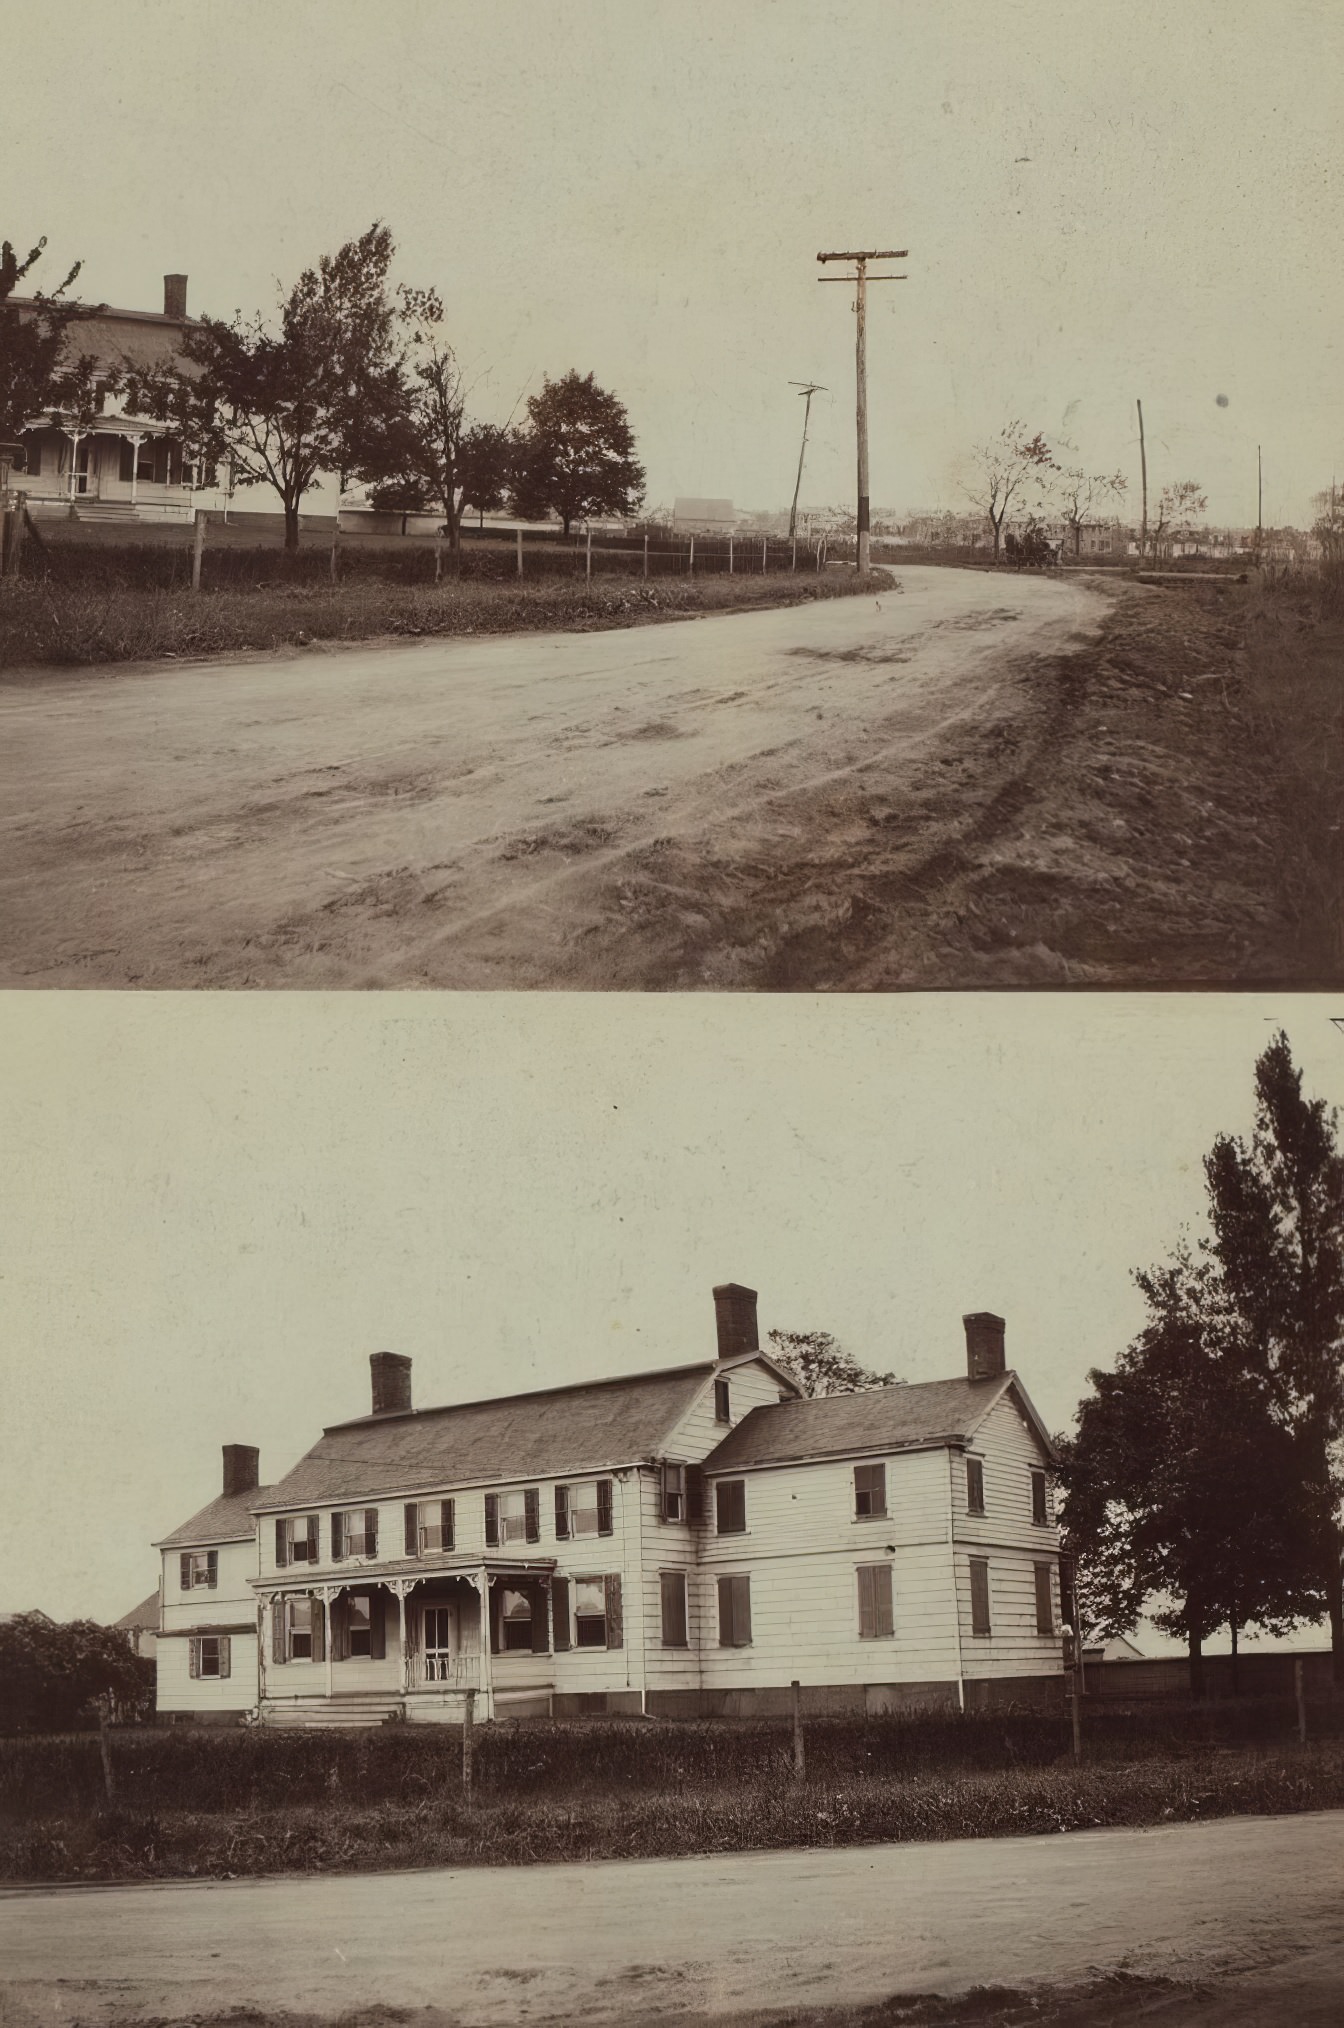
[
  {"x": 438, "y": 1645},
  {"x": 82, "y": 462}
]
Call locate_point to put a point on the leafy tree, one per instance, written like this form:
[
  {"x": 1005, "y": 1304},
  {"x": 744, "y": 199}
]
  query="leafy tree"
[
  {"x": 821, "y": 1366},
  {"x": 485, "y": 465},
  {"x": 419, "y": 453},
  {"x": 1005, "y": 466},
  {"x": 314, "y": 390},
  {"x": 1277, "y": 1207},
  {"x": 38, "y": 373},
  {"x": 1083, "y": 495},
  {"x": 576, "y": 455},
  {"x": 1178, "y": 510},
  {"x": 52, "y": 1675}
]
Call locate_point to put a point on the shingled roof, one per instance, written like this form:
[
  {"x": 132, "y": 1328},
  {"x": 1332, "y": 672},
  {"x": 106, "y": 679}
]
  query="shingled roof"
[
  {"x": 228, "y": 1518},
  {"x": 881, "y": 1419},
  {"x": 548, "y": 1433},
  {"x": 143, "y": 1617}
]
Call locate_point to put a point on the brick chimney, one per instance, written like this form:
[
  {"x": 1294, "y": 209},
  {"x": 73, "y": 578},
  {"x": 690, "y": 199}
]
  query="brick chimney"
[
  {"x": 391, "y": 1383},
  {"x": 735, "y": 1316},
  {"x": 174, "y": 295},
  {"x": 984, "y": 1345},
  {"x": 240, "y": 1469}
]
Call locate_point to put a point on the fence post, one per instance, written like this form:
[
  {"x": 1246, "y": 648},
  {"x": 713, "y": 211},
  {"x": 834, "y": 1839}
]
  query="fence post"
[
  {"x": 468, "y": 1742},
  {"x": 691, "y": 565},
  {"x": 520, "y": 552},
  {"x": 730, "y": 556},
  {"x": 794, "y": 564},
  {"x": 197, "y": 546},
  {"x": 798, "y": 1763},
  {"x": 438, "y": 555},
  {"x": 105, "y": 1747},
  {"x": 646, "y": 552},
  {"x": 588, "y": 555},
  {"x": 1300, "y": 1691},
  {"x": 765, "y": 555},
  {"x": 1075, "y": 1714},
  {"x": 335, "y": 553}
]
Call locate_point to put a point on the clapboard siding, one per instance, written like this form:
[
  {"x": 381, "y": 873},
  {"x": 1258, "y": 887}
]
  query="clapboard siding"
[
  {"x": 749, "y": 1386},
  {"x": 1013, "y": 1648},
  {"x": 800, "y": 1509},
  {"x": 178, "y": 1690},
  {"x": 1009, "y": 1452},
  {"x": 231, "y": 1603}
]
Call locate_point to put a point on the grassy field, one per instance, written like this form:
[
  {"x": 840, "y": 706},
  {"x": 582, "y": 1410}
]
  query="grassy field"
[
  {"x": 46, "y": 624},
  {"x": 221, "y": 1804}
]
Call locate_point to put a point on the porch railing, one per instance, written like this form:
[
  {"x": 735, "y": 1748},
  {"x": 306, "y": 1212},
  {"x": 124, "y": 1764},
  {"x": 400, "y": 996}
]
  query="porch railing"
[{"x": 448, "y": 1672}]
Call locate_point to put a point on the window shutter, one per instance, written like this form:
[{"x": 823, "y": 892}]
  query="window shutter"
[
  {"x": 212, "y": 1568},
  {"x": 725, "y": 1612},
  {"x": 225, "y": 1655},
  {"x": 371, "y": 1531},
  {"x": 378, "y": 1626},
  {"x": 695, "y": 1492},
  {"x": 446, "y": 1522},
  {"x": 127, "y": 467},
  {"x": 281, "y": 1544},
  {"x": 1038, "y": 1512},
  {"x": 672, "y": 1587},
  {"x": 532, "y": 1514},
  {"x": 412, "y": 1537},
  {"x": 615, "y": 1629},
  {"x": 562, "y": 1513},
  {"x": 541, "y": 1631},
  {"x": 413, "y": 1618},
  {"x": 604, "y": 1521},
  {"x": 742, "y": 1611},
  {"x": 184, "y": 1570},
  {"x": 1045, "y": 1605},
  {"x": 980, "y": 1622},
  {"x": 496, "y": 1611},
  {"x": 278, "y": 1630},
  {"x": 492, "y": 1520},
  {"x": 32, "y": 454},
  {"x": 867, "y": 1602},
  {"x": 312, "y": 1538},
  {"x": 174, "y": 464},
  {"x": 193, "y": 1659},
  {"x": 160, "y": 461},
  {"x": 339, "y": 1630},
  {"x": 338, "y": 1538},
  {"x": 319, "y": 1630},
  {"x": 560, "y": 1613}
]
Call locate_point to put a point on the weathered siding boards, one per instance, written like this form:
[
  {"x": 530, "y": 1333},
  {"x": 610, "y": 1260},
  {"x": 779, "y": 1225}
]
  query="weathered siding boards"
[
  {"x": 180, "y": 1691},
  {"x": 1013, "y": 1647},
  {"x": 751, "y": 1385},
  {"x": 230, "y": 1602},
  {"x": 668, "y": 1545},
  {"x": 793, "y": 1509},
  {"x": 1009, "y": 1452}
]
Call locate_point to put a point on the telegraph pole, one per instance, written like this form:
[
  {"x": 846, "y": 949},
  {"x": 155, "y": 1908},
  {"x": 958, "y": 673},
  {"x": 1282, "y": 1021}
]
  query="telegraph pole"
[
  {"x": 808, "y": 388},
  {"x": 1143, "y": 466},
  {"x": 861, "y": 278}
]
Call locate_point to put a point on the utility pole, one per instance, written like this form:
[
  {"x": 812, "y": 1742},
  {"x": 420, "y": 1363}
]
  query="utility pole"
[
  {"x": 861, "y": 278},
  {"x": 1143, "y": 467},
  {"x": 1259, "y": 504},
  {"x": 808, "y": 388}
]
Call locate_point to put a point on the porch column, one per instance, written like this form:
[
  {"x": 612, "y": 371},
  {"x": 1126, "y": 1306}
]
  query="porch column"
[
  {"x": 76, "y": 435},
  {"x": 482, "y": 1582},
  {"x": 135, "y": 443},
  {"x": 327, "y": 1592},
  {"x": 265, "y": 1609},
  {"x": 401, "y": 1588}
]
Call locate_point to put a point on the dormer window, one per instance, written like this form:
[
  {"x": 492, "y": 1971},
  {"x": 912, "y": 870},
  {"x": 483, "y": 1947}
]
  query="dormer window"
[{"x": 723, "y": 1411}]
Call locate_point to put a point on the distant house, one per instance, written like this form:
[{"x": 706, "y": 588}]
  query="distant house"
[
  {"x": 141, "y": 1626},
  {"x": 684, "y": 1542},
  {"x": 703, "y": 517},
  {"x": 115, "y": 465},
  {"x": 1118, "y": 1648}
]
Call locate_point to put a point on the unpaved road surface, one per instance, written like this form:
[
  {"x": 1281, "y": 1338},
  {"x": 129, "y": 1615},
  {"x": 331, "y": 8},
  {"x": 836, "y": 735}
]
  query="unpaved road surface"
[
  {"x": 713, "y": 803},
  {"x": 1251, "y": 1903}
]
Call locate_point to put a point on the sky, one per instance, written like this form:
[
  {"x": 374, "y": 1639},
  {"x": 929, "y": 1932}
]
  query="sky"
[
  {"x": 213, "y": 1208},
  {"x": 1104, "y": 201}
]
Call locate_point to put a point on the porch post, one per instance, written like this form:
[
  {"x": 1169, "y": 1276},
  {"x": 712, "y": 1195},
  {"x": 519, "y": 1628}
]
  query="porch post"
[
  {"x": 75, "y": 435},
  {"x": 327, "y": 1592},
  {"x": 135, "y": 443},
  {"x": 401, "y": 1589},
  {"x": 487, "y": 1687}
]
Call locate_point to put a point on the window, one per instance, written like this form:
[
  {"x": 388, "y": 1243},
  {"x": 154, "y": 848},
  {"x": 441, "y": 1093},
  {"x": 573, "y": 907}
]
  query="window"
[
  {"x": 296, "y": 1539},
  {"x": 674, "y": 1492},
  {"x": 875, "y": 1612},
  {"x": 199, "y": 1567},
  {"x": 298, "y": 1630},
  {"x": 1045, "y": 1600},
  {"x": 583, "y": 1510},
  {"x": 358, "y": 1624},
  {"x": 590, "y": 1613},
  {"x": 870, "y": 1492},
  {"x": 979, "y": 1595},
  {"x": 148, "y": 456},
  {"x": 730, "y": 1507},
  {"x": 209, "y": 1655},
  {"x": 513, "y": 1517},
  {"x": 723, "y": 1411},
  {"x": 1039, "y": 1513},
  {"x": 354, "y": 1534},
  {"x": 515, "y": 1622},
  {"x": 672, "y": 1586},
  {"x": 735, "y": 1612},
  {"x": 975, "y": 1486},
  {"x": 429, "y": 1526},
  {"x": 32, "y": 452}
]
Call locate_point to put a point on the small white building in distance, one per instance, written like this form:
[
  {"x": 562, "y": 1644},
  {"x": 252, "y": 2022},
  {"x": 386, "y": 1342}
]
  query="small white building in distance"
[{"x": 703, "y": 517}]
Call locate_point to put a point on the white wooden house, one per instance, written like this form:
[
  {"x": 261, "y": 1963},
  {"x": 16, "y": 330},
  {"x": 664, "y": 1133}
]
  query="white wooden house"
[{"x": 683, "y": 1542}]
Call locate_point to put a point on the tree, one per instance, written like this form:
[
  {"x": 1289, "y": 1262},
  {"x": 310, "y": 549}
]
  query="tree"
[
  {"x": 1006, "y": 465},
  {"x": 1178, "y": 509},
  {"x": 315, "y": 390},
  {"x": 38, "y": 373},
  {"x": 485, "y": 465},
  {"x": 821, "y": 1366},
  {"x": 418, "y": 457},
  {"x": 1276, "y": 1203},
  {"x": 1083, "y": 495},
  {"x": 52, "y": 1675},
  {"x": 576, "y": 455}
]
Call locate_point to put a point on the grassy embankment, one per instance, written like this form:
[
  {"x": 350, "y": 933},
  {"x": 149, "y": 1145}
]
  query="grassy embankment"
[
  {"x": 109, "y": 607},
  {"x": 192, "y": 1803}
]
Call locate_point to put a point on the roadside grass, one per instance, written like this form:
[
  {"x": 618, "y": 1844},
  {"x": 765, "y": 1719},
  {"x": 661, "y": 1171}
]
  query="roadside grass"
[
  {"x": 46, "y": 623},
  {"x": 770, "y": 1812}
]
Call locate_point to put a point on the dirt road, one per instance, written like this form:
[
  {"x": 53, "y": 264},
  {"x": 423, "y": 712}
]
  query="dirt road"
[
  {"x": 1250, "y": 1899},
  {"x": 627, "y": 809}
]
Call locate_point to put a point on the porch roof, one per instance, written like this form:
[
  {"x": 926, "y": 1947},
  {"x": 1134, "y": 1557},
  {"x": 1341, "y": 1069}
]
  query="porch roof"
[{"x": 352, "y": 1575}]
